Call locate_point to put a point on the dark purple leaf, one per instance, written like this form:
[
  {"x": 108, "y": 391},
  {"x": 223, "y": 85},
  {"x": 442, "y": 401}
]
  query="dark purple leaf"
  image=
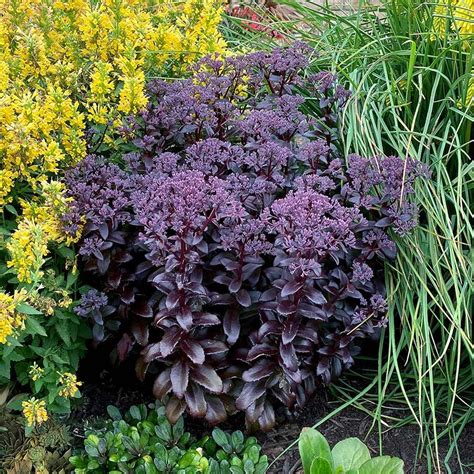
[
  {"x": 262, "y": 369},
  {"x": 140, "y": 331},
  {"x": 288, "y": 355},
  {"x": 208, "y": 378},
  {"x": 174, "y": 409},
  {"x": 216, "y": 412},
  {"x": 170, "y": 340},
  {"x": 193, "y": 350},
  {"x": 231, "y": 325},
  {"x": 266, "y": 420},
  {"x": 286, "y": 307},
  {"x": 179, "y": 378},
  {"x": 124, "y": 346},
  {"x": 315, "y": 296},
  {"x": 162, "y": 384},
  {"x": 291, "y": 288},
  {"x": 260, "y": 350},
  {"x": 243, "y": 298},
  {"x": 195, "y": 400},
  {"x": 184, "y": 316},
  {"x": 250, "y": 393},
  {"x": 290, "y": 328}
]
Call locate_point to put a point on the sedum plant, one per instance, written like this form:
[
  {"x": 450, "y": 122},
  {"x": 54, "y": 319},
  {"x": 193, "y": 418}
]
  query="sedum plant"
[
  {"x": 234, "y": 253},
  {"x": 143, "y": 441},
  {"x": 349, "y": 456}
]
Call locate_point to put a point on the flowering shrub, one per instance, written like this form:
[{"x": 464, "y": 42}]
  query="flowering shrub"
[
  {"x": 234, "y": 250},
  {"x": 65, "y": 65},
  {"x": 67, "y": 68}
]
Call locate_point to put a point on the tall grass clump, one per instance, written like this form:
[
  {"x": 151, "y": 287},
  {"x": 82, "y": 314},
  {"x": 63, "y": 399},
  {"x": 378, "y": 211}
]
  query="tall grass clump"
[{"x": 410, "y": 67}]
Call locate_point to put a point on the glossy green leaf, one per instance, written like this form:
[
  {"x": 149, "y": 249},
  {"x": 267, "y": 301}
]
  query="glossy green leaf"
[{"x": 320, "y": 466}]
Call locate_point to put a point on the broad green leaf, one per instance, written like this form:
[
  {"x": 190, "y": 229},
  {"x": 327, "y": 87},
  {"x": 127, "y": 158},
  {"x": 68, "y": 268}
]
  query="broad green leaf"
[
  {"x": 220, "y": 437},
  {"x": 350, "y": 453},
  {"x": 321, "y": 466},
  {"x": 27, "y": 309},
  {"x": 312, "y": 444},
  {"x": 34, "y": 327},
  {"x": 114, "y": 413},
  {"x": 382, "y": 465}
]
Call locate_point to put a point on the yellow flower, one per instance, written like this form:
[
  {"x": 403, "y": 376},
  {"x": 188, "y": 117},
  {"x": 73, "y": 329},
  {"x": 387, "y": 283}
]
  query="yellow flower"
[
  {"x": 456, "y": 16},
  {"x": 70, "y": 385},
  {"x": 10, "y": 319},
  {"x": 35, "y": 372},
  {"x": 34, "y": 411}
]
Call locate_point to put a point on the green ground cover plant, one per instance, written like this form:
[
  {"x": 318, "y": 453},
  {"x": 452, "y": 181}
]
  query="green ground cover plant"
[{"x": 144, "y": 442}]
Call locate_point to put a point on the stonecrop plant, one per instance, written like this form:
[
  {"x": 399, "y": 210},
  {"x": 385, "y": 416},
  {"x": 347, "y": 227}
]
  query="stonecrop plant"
[{"x": 235, "y": 253}]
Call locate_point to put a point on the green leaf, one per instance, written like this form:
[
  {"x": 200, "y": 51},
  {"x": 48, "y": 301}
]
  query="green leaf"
[
  {"x": 350, "y": 453},
  {"x": 34, "y": 327},
  {"x": 382, "y": 465},
  {"x": 220, "y": 437},
  {"x": 135, "y": 413},
  {"x": 320, "y": 466},
  {"x": 27, "y": 309},
  {"x": 312, "y": 444},
  {"x": 114, "y": 413}
]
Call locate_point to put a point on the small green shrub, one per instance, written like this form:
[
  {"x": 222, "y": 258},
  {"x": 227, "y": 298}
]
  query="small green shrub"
[
  {"x": 349, "y": 456},
  {"x": 144, "y": 441}
]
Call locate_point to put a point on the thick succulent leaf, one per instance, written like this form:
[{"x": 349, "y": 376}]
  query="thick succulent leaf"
[
  {"x": 290, "y": 328},
  {"x": 262, "y": 369},
  {"x": 195, "y": 400},
  {"x": 291, "y": 288},
  {"x": 170, "y": 340},
  {"x": 216, "y": 412},
  {"x": 180, "y": 378},
  {"x": 231, "y": 325},
  {"x": 193, "y": 350},
  {"x": 208, "y": 378},
  {"x": 249, "y": 394},
  {"x": 266, "y": 420},
  {"x": 174, "y": 409},
  {"x": 162, "y": 384},
  {"x": 140, "y": 331},
  {"x": 288, "y": 355}
]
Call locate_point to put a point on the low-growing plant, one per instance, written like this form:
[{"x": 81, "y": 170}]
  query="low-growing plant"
[
  {"x": 234, "y": 248},
  {"x": 144, "y": 441},
  {"x": 349, "y": 456}
]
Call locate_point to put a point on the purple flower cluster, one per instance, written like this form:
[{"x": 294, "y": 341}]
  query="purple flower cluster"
[{"x": 242, "y": 259}]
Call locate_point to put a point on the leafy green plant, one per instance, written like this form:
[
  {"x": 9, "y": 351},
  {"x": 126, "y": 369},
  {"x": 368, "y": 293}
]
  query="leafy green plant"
[
  {"x": 349, "y": 456},
  {"x": 43, "y": 354},
  {"x": 143, "y": 441}
]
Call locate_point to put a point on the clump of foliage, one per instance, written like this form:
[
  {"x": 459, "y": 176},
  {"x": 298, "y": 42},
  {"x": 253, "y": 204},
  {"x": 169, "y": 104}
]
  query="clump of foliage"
[
  {"x": 144, "y": 441},
  {"x": 44, "y": 449},
  {"x": 69, "y": 73},
  {"x": 235, "y": 249},
  {"x": 348, "y": 456}
]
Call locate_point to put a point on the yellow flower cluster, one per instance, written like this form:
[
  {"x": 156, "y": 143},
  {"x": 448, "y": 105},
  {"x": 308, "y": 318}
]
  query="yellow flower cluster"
[
  {"x": 35, "y": 372},
  {"x": 461, "y": 16},
  {"x": 69, "y": 64},
  {"x": 34, "y": 411},
  {"x": 70, "y": 385},
  {"x": 10, "y": 319},
  {"x": 40, "y": 224}
]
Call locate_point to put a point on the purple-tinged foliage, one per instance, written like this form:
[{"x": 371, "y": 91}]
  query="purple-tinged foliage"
[{"x": 242, "y": 257}]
